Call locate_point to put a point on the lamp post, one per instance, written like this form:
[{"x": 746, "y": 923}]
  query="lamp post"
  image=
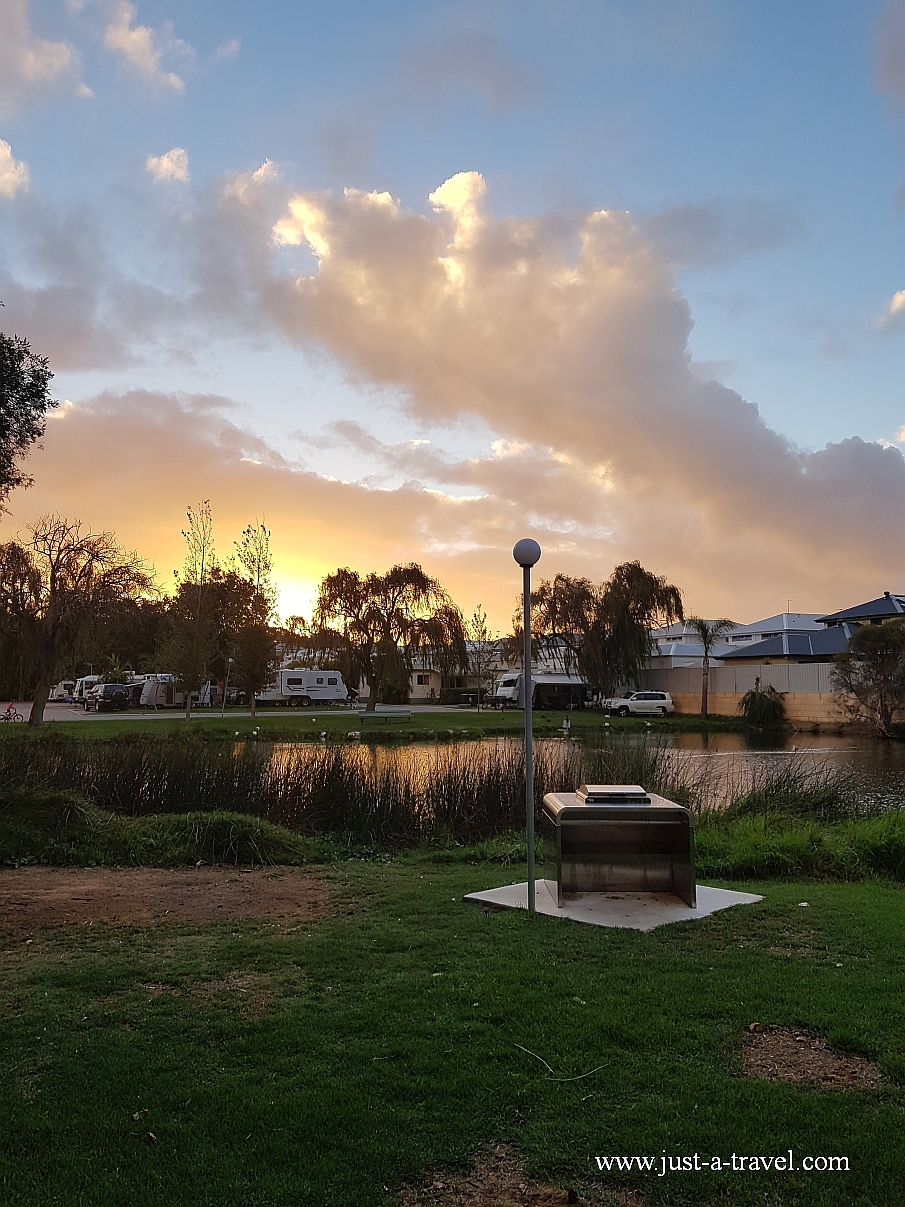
[
  {"x": 527, "y": 553},
  {"x": 229, "y": 663}
]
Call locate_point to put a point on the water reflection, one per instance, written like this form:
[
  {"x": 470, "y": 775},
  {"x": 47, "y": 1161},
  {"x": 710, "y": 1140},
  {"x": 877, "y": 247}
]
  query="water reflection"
[{"x": 714, "y": 768}]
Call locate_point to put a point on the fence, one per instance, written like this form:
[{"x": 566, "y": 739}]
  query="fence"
[{"x": 785, "y": 677}]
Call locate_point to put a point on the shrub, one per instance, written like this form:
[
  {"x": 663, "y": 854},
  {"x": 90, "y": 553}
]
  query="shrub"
[{"x": 763, "y": 706}]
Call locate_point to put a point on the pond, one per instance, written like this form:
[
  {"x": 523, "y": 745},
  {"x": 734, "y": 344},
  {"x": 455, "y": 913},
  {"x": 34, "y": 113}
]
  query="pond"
[{"x": 714, "y": 768}]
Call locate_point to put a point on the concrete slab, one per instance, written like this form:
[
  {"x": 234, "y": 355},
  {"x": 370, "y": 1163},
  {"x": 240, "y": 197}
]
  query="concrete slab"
[{"x": 632, "y": 911}]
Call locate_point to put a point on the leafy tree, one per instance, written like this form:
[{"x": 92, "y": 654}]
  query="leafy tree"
[
  {"x": 254, "y": 644},
  {"x": 57, "y": 587},
  {"x": 255, "y": 659},
  {"x": 603, "y": 631},
  {"x": 190, "y": 641},
  {"x": 256, "y": 560},
  {"x": 870, "y": 675},
  {"x": 483, "y": 650},
  {"x": 128, "y": 638},
  {"x": 374, "y": 626},
  {"x": 708, "y": 632},
  {"x": 24, "y": 403}
]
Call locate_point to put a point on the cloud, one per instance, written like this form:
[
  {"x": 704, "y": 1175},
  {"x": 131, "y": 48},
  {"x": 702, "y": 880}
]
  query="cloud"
[
  {"x": 471, "y": 62},
  {"x": 475, "y": 317},
  {"x": 142, "y": 50},
  {"x": 563, "y": 339},
  {"x": 891, "y": 49},
  {"x": 32, "y": 67},
  {"x": 173, "y": 165},
  {"x": 718, "y": 233},
  {"x": 894, "y": 314},
  {"x": 227, "y": 50},
  {"x": 13, "y": 172},
  {"x": 460, "y": 518}
]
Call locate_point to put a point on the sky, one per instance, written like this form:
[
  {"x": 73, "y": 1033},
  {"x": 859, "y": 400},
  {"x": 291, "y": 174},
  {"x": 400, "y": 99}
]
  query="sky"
[{"x": 409, "y": 281}]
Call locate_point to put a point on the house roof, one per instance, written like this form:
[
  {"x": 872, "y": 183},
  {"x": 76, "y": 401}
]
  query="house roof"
[
  {"x": 782, "y": 622},
  {"x": 819, "y": 644},
  {"x": 886, "y": 606}
]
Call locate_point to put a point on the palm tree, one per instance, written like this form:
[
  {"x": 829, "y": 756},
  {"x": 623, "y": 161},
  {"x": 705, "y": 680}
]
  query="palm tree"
[{"x": 708, "y": 633}]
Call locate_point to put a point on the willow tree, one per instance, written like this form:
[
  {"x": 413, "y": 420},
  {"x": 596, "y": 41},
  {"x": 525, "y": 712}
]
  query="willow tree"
[
  {"x": 375, "y": 627},
  {"x": 58, "y": 587},
  {"x": 603, "y": 631}
]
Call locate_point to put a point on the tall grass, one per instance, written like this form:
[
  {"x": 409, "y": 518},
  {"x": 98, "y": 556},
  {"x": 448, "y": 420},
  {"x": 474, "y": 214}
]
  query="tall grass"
[
  {"x": 465, "y": 792},
  {"x": 389, "y": 797}
]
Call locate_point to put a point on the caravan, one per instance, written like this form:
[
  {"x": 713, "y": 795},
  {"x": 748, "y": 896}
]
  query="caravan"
[
  {"x": 548, "y": 691},
  {"x": 304, "y": 688},
  {"x": 83, "y": 687},
  {"x": 161, "y": 691}
]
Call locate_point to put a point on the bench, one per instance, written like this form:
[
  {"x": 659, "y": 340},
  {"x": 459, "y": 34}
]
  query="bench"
[{"x": 397, "y": 714}]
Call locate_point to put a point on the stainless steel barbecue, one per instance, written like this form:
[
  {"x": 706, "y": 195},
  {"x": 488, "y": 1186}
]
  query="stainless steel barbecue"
[{"x": 608, "y": 838}]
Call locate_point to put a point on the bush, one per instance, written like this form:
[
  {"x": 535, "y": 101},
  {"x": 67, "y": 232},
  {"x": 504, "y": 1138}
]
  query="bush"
[
  {"x": 763, "y": 707},
  {"x": 766, "y": 847},
  {"x": 62, "y": 828}
]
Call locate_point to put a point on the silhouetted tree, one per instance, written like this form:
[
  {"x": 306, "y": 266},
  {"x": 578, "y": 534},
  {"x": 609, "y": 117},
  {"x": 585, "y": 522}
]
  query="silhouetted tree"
[
  {"x": 24, "y": 403},
  {"x": 603, "y": 632},
  {"x": 374, "y": 626},
  {"x": 190, "y": 644},
  {"x": 56, "y": 588}
]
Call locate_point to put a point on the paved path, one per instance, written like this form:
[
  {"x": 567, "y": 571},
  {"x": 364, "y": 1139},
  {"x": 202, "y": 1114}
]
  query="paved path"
[{"x": 56, "y": 710}]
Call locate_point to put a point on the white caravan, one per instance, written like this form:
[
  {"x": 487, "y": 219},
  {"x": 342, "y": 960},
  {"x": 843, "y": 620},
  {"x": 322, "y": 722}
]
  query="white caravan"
[
  {"x": 63, "y": 690},
  {"x": 82, "y": 687},
  {"x": 304, "y": 688},
  {"x": 548, "y": 691},
  {"x": 160, "y": 691}
]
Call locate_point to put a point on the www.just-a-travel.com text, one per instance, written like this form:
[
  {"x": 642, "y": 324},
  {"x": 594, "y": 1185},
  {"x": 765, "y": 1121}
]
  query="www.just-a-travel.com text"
[{"x": 737, "y": 1163}]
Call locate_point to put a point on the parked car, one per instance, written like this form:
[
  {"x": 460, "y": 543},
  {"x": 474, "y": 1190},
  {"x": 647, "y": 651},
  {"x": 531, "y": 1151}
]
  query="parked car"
[
  {"x": 640, "y": 704},
  {"x": 107, "y": 697}
]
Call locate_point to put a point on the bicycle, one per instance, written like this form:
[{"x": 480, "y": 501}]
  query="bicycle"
[{"x": 11, "y": 714}]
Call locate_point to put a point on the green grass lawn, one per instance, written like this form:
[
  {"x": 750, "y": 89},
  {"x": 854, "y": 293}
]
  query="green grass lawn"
[
  {"x": 286, "y": 724},
  {"x": 393, "y": 1043}
]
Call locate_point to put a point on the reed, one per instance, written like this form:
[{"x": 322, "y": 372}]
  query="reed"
[{"x": 390, "y": 798}]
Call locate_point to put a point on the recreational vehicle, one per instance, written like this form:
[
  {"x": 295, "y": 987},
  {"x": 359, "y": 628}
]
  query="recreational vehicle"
[
  {"x": 161, "y": 691},
  {"x": 82, "y": 687},
  {"x": 304, "y": 688},
  {"x": 63, "y": 690},
  {"x": 548, "y": 691}
]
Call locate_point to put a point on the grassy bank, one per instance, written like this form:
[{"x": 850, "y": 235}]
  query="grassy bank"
[
  {"x": 332, "y": 1063},
  {"x": 298, "y": 725},
  {"x": 56, "y": 828}
]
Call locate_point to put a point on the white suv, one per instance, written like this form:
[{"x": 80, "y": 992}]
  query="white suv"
[{"x": 638, "y": 704}]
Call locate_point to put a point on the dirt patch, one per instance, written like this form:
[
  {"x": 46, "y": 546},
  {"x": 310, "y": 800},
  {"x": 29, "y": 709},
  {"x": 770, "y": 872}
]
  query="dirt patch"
[
  {"x": 780, "y": 1054},
  {"x": 35, "y": 899},
  {"x": 497, "y": 1179}
]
